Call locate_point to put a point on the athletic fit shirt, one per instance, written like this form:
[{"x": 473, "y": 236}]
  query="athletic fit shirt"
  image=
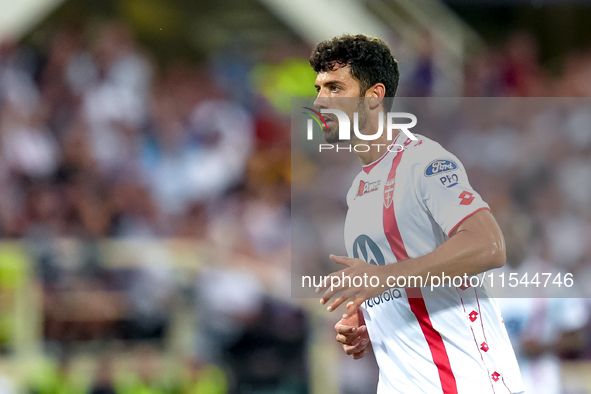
[{"x": 451, "y": 340}]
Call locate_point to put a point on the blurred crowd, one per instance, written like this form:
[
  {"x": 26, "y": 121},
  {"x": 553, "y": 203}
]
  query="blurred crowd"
[
  {"x": 100, "y": 141},
  {"x": 97, "y": 141}
]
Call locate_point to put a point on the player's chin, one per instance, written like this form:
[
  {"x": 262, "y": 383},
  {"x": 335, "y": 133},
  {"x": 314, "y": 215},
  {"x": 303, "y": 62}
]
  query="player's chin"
[
  {"x": 331, "y": 135},
  {"x": 331, "y": 138}
]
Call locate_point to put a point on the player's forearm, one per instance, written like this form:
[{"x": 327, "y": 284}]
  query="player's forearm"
[{"x": 467, "y": 252}]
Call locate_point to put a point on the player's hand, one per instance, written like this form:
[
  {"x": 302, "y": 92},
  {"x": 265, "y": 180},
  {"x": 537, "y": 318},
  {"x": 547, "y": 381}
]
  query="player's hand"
[
  {"x": 358, "y": 271},
  {"x": 352, "y": 334}
]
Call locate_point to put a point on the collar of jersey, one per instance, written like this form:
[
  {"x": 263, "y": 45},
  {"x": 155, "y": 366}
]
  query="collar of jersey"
[{"x": 368, "y": 167}]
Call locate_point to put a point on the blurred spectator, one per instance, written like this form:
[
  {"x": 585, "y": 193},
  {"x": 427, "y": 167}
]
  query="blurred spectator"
[
  {"x": 226, "y": 300},
  {"x": 421, "y": 78},
  {"x": 521, "y": 74},
  {"x": 269, "y": 356},
  {"x": 542, "y": 329},
  {"x": 115, "y": 103},
  {"x": 150, "y": 295}
]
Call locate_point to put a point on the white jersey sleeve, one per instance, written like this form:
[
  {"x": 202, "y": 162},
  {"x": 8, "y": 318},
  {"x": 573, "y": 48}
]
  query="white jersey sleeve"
[{"x": 443, "y": 187}]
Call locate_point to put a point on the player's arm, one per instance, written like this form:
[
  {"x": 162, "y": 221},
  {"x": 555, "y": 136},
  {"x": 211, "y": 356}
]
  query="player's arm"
[{"x": 475, "y": 246}]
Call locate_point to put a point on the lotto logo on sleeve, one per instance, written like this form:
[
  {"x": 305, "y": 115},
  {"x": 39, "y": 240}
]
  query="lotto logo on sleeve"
[{"x": 466, "y": 198}]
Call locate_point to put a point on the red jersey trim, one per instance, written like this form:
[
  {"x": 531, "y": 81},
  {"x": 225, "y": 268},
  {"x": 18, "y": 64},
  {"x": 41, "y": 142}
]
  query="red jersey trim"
[
  {"x": 368, "y": 167},
  {"x": 415, "y": 297},
  {"x": 434, "y": 340},
  {"x": 466, "y": 217}
]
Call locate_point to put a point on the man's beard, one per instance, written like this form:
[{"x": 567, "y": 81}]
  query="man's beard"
[{"x": 332, "y": 134}]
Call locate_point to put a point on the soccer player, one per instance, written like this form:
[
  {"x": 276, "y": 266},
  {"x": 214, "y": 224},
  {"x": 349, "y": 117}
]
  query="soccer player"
[{"x": 419, "y": 217}]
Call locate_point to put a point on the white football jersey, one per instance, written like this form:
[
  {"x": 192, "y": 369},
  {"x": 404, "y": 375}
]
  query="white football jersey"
[{"x": 452, "y": 340}]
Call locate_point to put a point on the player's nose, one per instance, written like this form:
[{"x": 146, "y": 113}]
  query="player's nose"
[{"x": 321, "y": 101}]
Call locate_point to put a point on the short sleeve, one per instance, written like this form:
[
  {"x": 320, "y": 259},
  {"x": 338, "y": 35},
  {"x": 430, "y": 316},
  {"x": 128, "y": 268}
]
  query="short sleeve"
[{"x": 444, "y": 190}]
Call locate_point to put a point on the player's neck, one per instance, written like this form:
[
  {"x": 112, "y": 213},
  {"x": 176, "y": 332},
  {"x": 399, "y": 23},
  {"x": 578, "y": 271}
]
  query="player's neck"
[{"x": 376, "y": 150}]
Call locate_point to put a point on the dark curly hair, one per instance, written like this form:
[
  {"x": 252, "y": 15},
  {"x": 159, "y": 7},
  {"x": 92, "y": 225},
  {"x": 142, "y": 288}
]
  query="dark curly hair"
[{"x": 370, "y": 60}]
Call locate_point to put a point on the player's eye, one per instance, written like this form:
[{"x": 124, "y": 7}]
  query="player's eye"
[{"x": 335, "y": 89}]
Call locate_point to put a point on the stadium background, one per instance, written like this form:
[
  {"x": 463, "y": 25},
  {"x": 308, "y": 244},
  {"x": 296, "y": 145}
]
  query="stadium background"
[{"x": 145, "y": 179}]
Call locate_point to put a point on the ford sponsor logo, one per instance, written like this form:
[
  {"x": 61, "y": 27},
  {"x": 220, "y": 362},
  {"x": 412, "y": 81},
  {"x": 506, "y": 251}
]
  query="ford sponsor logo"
[{"x": 439, "y": 166}]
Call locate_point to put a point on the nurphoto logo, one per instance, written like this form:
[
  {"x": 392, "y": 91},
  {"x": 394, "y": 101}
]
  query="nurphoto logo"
[{"x": 344, "y": 128}]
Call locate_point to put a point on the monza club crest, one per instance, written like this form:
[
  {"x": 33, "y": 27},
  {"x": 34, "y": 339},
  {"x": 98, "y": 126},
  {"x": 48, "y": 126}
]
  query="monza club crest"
[{"x": 389, "y": 192}]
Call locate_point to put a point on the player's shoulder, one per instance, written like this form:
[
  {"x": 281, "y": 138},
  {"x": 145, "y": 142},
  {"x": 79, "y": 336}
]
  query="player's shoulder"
[
  {"x": 427, "y": 153},
  {"x": 424, "y": 149}
]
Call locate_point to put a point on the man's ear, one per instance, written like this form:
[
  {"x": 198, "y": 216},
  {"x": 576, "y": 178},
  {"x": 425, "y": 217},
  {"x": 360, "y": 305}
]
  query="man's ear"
[{"x": 375, "y": 95}]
